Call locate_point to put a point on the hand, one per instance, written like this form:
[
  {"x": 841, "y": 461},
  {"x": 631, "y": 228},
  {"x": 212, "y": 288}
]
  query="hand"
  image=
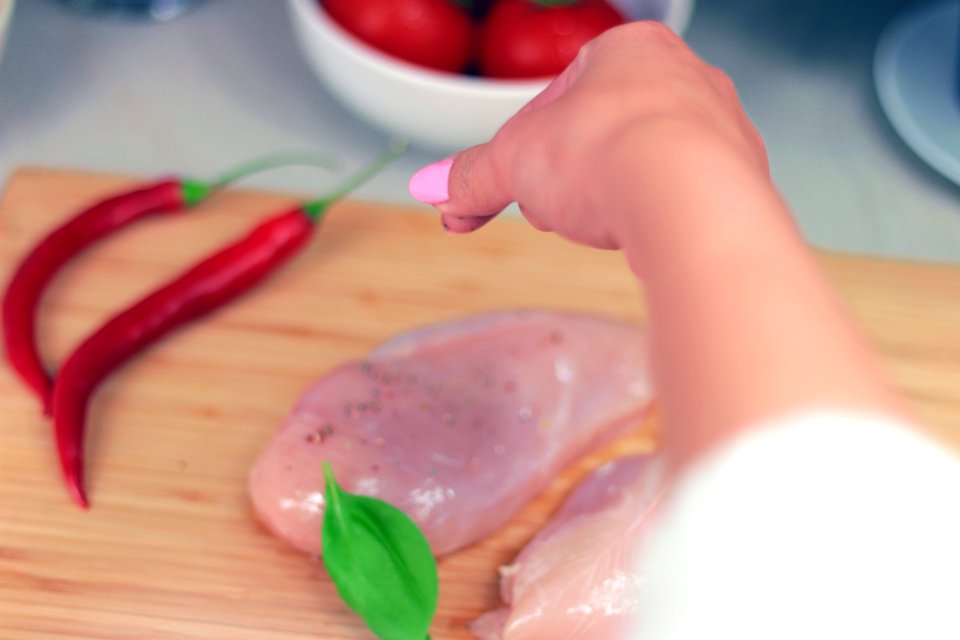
[
  {"x": 641, "y": 146},
  {"x": 637, "y": 91}
]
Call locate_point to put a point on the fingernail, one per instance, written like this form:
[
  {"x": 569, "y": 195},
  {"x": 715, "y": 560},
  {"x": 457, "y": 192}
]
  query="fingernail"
[{"x": 429, "y": 185}]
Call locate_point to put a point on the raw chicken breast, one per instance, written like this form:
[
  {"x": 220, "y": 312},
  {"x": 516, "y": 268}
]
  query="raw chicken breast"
[
  {"x": 459, "y": 424},
  {"x": 578, "y": 579}
]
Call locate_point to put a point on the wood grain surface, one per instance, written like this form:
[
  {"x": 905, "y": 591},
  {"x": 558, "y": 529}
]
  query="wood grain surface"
[{"x": 171, "y": 549}]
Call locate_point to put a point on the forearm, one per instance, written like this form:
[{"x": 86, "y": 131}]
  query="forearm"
[{"x": 744, "y": 325}]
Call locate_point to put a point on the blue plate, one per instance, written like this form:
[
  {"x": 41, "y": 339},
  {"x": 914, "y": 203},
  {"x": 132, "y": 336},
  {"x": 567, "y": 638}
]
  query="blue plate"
[{"x": 918, "y": 82}]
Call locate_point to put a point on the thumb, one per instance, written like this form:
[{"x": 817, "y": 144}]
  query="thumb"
[{"x": 468, "y": 185}]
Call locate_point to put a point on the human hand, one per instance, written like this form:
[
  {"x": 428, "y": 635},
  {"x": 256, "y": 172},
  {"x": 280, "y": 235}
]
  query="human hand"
[
  {"x": 636, "y": 92},
  {"x": 641, "y": 146}
]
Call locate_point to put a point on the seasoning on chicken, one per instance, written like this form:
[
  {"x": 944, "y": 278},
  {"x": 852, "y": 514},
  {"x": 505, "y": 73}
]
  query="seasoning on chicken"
[{"x": 459, "y": 424}]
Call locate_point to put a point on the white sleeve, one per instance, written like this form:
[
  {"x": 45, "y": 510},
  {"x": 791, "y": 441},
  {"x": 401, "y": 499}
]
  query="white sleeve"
[{"x": 822, "y": 526}]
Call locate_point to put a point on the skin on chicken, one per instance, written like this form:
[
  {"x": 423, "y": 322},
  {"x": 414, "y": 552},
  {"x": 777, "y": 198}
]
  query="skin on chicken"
[
  {"x": 578, "y": 578},
  {"x": 459, "y": 424}
]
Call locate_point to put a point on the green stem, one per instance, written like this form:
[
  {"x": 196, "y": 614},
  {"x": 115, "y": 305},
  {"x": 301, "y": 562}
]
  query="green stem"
[
  {"x": 195, "y": 191},
  {"x": 272, "y": 162},
  {"x": 316, "y": 208}
]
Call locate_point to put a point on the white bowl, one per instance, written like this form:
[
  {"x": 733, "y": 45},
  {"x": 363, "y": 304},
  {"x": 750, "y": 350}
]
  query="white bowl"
[{"x": 442, "y": 111}]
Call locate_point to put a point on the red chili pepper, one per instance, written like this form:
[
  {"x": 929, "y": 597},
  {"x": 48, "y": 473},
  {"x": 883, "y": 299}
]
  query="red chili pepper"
[
  {"x": 94, "y": 223},
  {"x": 205, "y": 287},
  {"x": 62, "y": 245}
]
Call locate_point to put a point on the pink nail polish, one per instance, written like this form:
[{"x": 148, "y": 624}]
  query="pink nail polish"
[{"x": 429, "y": 185}]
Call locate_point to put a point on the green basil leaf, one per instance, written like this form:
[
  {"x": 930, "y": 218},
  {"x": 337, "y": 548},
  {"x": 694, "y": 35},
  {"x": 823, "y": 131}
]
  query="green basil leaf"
[{"x": 380, "y": 562}]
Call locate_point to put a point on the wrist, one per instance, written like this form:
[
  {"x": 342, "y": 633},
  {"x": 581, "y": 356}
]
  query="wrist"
[{"x": 679, "y": 190}]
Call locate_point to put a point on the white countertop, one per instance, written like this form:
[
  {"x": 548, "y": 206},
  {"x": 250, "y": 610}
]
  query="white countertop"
[{"x": 226, "y": 83}]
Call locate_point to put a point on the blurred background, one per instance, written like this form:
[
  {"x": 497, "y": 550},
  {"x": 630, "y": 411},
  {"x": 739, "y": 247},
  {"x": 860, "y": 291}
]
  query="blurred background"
[{"x": 227, "y": 81}]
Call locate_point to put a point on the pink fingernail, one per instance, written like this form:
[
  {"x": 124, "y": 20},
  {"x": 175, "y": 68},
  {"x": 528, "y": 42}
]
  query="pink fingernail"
[{"x": 429, "y": 185}]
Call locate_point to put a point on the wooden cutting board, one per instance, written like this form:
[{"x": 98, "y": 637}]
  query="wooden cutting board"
[{"x": 170, "y": 548}]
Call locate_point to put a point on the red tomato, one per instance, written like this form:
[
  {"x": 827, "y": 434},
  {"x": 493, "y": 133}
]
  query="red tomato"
[
  {"x": 432, "y": 33},
  {"x": 525, "y": 39}
]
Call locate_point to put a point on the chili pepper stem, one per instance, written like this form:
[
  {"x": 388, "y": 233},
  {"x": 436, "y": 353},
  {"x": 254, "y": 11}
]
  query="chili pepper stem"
[
  {"x": 196, "y": 191},
  {"x": 272, "y": 162},
  {"x": 316, "y": 208}
]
